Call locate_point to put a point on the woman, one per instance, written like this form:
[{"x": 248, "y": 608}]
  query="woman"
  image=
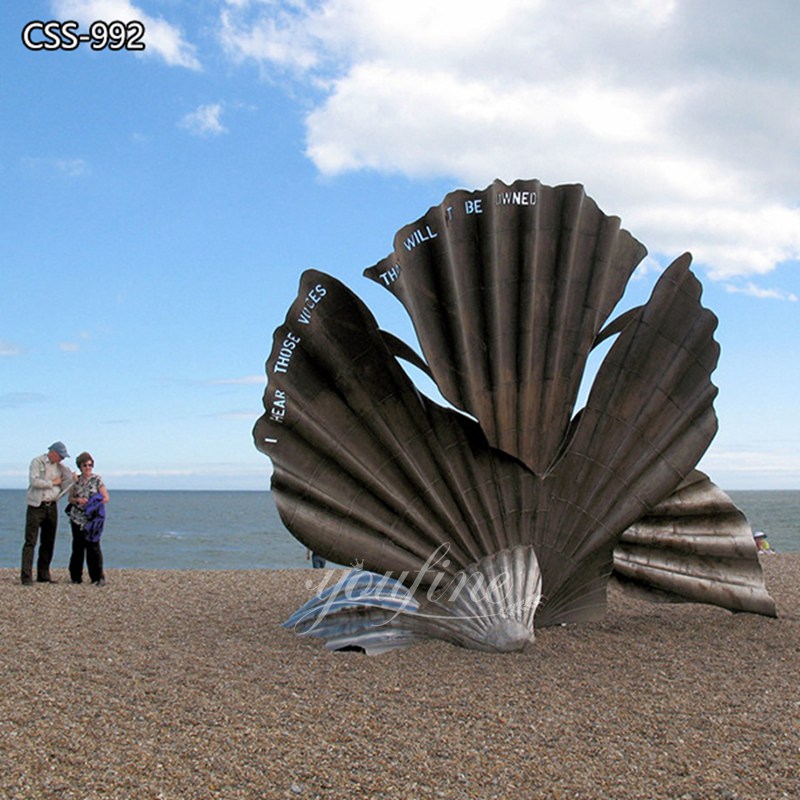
[{"x": 86, "y": 510}]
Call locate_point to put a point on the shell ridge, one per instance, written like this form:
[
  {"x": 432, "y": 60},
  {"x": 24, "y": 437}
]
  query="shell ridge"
[
  {"x": 580, "y": 597},
  {"x": 306, "y": 522},
  {"x": 411, "y": 530},
  {"x": 471, "y": 502},
  {"x": 444, "y": 285},
  {"x": 736, "y": 591},
  {"x": 466, "y": 296},
  {"x": 485, "y": 502},
  {"x": 579, "y": 314}
]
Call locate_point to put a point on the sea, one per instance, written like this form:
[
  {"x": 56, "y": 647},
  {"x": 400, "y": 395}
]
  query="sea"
[{"x": 231, "y": 530}]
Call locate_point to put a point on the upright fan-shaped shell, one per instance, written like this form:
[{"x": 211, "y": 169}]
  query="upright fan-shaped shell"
[
  {"x": 366, "y": 470},
  {"x": 507, "y": 289}
]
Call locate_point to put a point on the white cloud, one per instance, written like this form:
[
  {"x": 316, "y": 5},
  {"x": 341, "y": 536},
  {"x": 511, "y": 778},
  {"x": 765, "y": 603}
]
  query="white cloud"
[
  {"x": 9, "y": 349},
  {"x": 756, "y": 291},
  {"x": 753, "y": 467},
  {"x": 247, "y": 416},
  {"x": 160, "y": 37},
  {"x": 245, "y": 380},
  {"x": 70, "y": 167},
  {"x": 20, "y": 399},
  {"x": 278, "y": 38},
  {"x": 73, "y": 167},
  {"x": 74, "y": 346},
  {"x": 679, "y": 117},
  {"x": 205, "y": 121}
]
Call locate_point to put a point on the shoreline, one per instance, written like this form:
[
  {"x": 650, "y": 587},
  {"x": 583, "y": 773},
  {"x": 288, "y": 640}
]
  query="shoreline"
[{"x": 172, "y": 684}]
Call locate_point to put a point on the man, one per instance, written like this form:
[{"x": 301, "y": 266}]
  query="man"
[{"x": 49, "y": 480}]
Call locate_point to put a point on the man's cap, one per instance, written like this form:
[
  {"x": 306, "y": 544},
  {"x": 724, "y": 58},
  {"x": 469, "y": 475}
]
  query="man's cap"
[{"x": 60, "y": 448}]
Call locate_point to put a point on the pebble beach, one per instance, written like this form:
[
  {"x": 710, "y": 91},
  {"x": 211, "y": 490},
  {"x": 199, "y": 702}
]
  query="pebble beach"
[{"x": 165, "y": 685}]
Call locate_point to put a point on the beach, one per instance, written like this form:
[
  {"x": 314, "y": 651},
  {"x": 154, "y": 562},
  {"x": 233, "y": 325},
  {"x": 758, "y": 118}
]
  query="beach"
[{"x": 167, "y": 685}]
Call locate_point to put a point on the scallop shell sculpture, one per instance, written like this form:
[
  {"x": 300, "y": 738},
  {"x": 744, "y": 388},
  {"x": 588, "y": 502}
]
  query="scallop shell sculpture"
[{"x": 509, "y": 510}]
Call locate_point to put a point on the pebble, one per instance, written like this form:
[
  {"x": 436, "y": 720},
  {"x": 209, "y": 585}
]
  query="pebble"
[{"x": 170, "y": 685}]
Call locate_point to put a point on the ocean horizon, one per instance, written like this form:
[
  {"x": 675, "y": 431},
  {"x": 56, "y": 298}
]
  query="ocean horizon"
[{"x": 232, "y": 530}]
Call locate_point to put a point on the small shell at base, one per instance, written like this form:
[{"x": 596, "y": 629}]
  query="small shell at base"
[{"x": 488, "y": 606}]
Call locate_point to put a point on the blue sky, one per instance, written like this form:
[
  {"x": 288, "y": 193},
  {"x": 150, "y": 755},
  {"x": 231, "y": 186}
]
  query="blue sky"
[{"x": 157, "y": 209}]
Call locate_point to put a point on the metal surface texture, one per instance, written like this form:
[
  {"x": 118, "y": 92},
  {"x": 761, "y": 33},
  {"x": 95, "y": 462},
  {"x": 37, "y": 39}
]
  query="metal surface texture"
[{"x": 511, "y": 492}]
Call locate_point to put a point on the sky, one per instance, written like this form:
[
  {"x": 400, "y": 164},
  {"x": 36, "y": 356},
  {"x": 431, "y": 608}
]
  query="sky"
[{"x": 158, "y": 207}]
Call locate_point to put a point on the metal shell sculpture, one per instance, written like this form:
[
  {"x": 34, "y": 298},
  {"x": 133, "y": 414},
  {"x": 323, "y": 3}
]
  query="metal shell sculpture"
[{"x": 510, "y": 510}]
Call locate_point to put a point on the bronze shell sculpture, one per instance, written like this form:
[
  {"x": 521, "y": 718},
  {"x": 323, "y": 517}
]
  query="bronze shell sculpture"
[{"x": 510, "y": 510}]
